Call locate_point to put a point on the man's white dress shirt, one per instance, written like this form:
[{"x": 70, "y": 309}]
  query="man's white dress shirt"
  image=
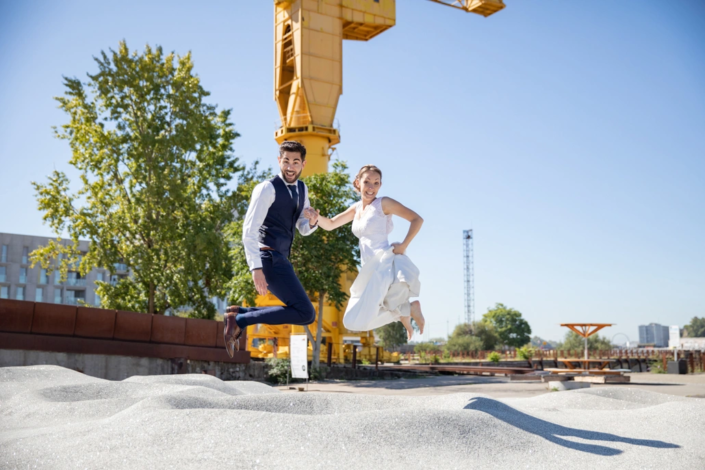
[{"x": 262, "y": 199}]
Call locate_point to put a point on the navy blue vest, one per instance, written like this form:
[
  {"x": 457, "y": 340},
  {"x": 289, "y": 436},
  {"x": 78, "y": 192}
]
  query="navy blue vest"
[{"x": 277, "y": 230}]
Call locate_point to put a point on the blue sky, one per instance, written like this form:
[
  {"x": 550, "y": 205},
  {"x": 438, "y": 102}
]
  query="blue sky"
[{"x": 568, "y": 135}]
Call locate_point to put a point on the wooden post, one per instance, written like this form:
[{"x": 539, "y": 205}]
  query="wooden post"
[
  {"x": 330, "y": 354},
  {"x": 691, "y": 361},
  {"x": 354, "y": 359},
  {"x": 663, "y": 361}
]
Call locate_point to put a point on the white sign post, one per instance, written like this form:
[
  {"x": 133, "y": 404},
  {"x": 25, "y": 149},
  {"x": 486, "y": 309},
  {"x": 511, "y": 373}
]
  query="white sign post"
[
  {"x": 298, "y": 349},
  {"x": 674, "y": 339}
]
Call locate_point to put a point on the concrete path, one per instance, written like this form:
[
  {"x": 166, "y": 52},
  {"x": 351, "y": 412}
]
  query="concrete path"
[{"x": 501, "y": 387}]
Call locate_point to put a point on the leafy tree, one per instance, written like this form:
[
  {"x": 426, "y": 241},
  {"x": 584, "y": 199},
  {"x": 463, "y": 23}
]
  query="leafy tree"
[
  {"x": 696, "y": 328},
  {"x": 391, "y": 335},
  {"x": 154, "y": 160},
  {"x": 574, "y": 341},
  {"x": 425, "y": 347},
  {"x": 463, "y": 344},
  {"x": 512, "y": 329},
  {"x": 485, "y": 337}
]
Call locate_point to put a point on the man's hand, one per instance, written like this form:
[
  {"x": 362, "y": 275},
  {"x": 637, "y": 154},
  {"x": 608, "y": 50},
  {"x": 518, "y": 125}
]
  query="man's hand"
[
  {"x": 399, "y": 248},
  {"x": 312, "y": 215},
  {"x": 260, "y": 281}
]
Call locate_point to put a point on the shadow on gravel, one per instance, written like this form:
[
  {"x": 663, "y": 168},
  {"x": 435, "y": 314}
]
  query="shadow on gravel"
[{"x": 553, "y": 432}]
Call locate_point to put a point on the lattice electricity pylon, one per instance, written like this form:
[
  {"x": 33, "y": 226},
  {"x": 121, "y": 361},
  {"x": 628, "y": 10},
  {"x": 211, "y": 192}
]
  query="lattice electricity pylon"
[{"x": 469, "y": 276}]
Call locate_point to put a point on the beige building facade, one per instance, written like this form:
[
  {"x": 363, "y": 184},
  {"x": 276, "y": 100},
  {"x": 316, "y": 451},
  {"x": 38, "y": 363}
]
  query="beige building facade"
[{"x": 19, "y": 280}]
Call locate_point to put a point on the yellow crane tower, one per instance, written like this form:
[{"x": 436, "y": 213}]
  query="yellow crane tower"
[{"x": 308, "y": 81}]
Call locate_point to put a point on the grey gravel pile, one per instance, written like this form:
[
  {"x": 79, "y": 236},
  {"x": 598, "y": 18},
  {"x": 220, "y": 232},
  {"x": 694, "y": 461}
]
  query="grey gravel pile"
[{"x": 56, "y": 418}]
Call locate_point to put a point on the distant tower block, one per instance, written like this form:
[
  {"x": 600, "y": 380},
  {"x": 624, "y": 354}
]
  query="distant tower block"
[{"x": 469, "y": 276}]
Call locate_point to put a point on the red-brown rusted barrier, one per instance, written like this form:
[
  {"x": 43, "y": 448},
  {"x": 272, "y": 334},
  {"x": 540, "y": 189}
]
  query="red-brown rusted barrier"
[{"x": 64, "y": 328}]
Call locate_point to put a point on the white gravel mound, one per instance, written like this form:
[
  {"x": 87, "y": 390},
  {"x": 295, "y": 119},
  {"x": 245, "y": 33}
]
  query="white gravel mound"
[{"x": 56, "y": 418}]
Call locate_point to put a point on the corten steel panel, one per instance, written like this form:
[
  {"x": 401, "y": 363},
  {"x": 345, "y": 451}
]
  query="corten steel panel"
[
  {"x": 220, "y": 340},
  {"x": 170, "y": 330},
  {"x": 132, "y": 326},
  {"x": 16, "y": 315},
  {"x": 95, "y": 323},
  {"x": 201, "y": 332},
  {"x": 76, "y": 345},
  {"x": 54, "y": 319}
]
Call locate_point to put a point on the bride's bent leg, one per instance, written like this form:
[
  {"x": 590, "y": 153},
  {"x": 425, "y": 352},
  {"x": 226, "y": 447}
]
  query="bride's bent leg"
[
  {"x": 406, "y": 321},
  {"x": 417, "y": 315}
]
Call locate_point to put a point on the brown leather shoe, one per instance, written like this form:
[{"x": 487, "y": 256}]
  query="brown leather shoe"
[{"x": 231, "y": 332}]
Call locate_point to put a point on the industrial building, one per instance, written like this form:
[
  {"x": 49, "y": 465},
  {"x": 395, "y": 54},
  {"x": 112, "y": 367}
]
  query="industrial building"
[
  {"x": 655, "y": 334},
  {"x": 20, "y": 281}
]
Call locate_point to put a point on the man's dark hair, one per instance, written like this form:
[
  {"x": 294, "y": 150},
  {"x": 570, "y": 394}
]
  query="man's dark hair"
[{"x": 292, "y": 146}]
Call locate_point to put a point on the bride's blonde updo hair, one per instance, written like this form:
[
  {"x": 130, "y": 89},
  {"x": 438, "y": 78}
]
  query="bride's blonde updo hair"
[{"x": 363, "y": 170}]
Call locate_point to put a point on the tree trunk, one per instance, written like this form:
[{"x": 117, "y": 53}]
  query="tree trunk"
[
  {"x": 316, "y": 342},
  {"x": 319, "y": 333},
  {"x": 151, "y": 297}
]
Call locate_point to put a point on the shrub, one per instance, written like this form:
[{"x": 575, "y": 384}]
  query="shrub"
[
  {"x": 526, "y": 353},
  {"x": 318, "y": 373},
  {"x": 279, "y": 370},
  {"x": 435, "y": 359},
  {"x": 463, "y": 344},
  {"x": 494, "y": 356}
]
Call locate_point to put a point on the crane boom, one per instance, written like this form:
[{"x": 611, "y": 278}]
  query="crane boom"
[{"x": 480, "y": 7}]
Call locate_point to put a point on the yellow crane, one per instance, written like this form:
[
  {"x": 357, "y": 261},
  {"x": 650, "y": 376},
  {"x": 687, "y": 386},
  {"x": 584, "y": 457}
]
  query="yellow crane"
[{"x": 308, "y": 81}]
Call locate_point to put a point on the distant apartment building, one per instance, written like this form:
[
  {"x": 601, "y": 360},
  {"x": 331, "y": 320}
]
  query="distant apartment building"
[
  {"x": 655, "y": 334},
  {"x": 20, "y": 281}
]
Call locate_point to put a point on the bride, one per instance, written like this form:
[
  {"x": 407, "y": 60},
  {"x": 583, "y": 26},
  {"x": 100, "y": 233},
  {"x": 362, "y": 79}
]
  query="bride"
[{"x": 387, "y": 278}]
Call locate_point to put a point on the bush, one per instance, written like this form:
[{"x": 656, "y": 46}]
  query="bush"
[
  {"x": 279, "y": 371},
  {"x": 425, "y": 348},
  {"x": 494, "y": 356},
  {"x": 526, "y": 353},
  {"x": 446, "y": 355},
  {"x": 463, "y": 344},
  {"x": 435, "y": 359},
  {"x": 319, "y": 373}
]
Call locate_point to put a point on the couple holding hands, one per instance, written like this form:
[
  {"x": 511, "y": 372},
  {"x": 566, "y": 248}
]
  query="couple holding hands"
[{"x": 387, "y": 278}]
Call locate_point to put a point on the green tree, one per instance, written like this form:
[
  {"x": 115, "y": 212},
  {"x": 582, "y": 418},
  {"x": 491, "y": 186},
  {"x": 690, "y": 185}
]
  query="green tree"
[
  {"x": 475, "y": 336},
  {"x": 512, "y": 329},
  {"x": 696, "y": 328},
  {"x": 154, "y": 160},
  {"x": 391, "y": 335},
  {"x": 574, "y": 341},
  {"x": 463, "y": 344}
]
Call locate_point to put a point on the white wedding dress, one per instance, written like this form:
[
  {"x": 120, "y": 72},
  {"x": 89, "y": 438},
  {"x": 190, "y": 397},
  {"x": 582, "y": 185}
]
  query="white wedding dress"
[{"x": 381, "y": 291}]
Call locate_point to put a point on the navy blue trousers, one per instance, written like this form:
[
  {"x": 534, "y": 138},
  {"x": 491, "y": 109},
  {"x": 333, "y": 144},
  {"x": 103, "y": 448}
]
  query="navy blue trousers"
[{"x": 283, "y": 283}]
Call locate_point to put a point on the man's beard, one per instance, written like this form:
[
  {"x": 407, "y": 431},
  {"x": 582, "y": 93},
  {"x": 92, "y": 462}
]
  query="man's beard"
[{"x": 295, "y": 177}]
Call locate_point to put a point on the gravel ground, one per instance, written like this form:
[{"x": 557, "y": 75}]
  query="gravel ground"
[{"x": 56, "y": 418}]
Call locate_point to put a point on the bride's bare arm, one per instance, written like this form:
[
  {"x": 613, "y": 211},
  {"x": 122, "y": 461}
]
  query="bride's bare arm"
[
  {"x": 339, "y": 220},
  {"x": 390, "y": 206}
]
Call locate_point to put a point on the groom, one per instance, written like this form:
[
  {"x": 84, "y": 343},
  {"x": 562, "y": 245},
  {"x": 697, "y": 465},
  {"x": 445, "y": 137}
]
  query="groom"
[{"x": 277, "y": 207}]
